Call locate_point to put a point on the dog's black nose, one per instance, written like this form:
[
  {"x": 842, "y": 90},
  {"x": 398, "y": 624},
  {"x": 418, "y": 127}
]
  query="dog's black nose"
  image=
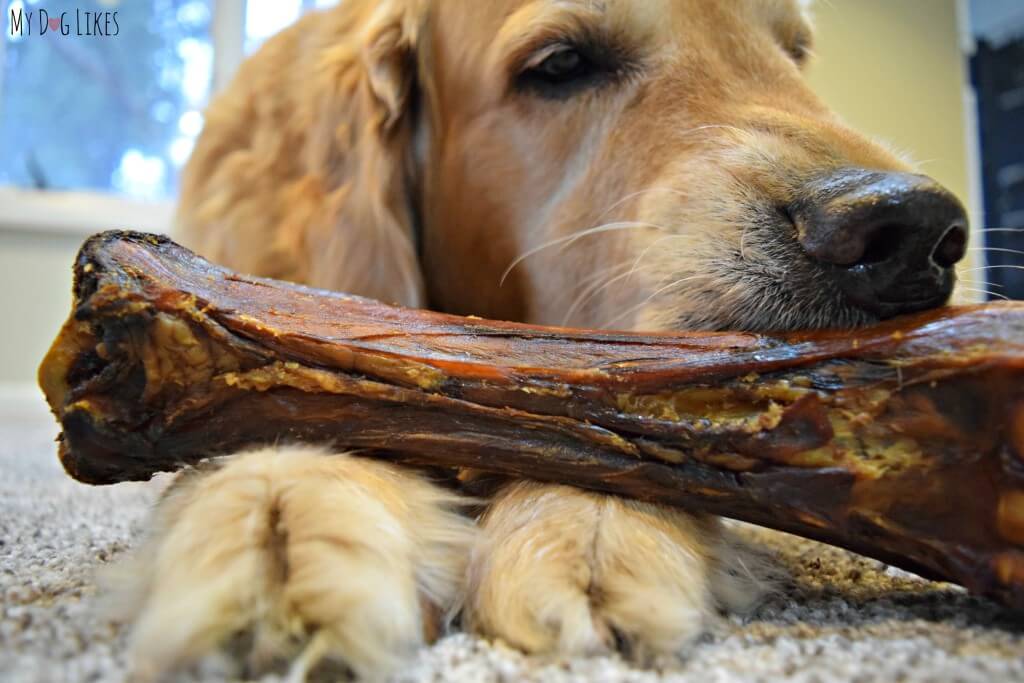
[{"x": 889, "y": 239}]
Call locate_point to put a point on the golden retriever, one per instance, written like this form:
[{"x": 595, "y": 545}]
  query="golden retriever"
[{"x": 655, "y": 164}]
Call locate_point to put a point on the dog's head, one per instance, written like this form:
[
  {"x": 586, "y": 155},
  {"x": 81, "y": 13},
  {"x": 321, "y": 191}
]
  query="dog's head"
[{"x": 629, "y": 163}]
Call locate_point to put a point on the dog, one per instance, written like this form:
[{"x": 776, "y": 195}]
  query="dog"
[{"x": 644, "y": 164}]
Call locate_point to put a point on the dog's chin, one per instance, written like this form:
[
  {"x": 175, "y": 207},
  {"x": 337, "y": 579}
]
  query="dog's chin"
[
  {"x": 764, "y": 311},
  {"x": 781, "y": 322},
  {"x": 777, "y": 321}
]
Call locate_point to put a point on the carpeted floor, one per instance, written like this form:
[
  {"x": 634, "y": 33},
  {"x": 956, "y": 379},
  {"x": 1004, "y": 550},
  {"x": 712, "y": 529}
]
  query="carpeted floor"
[{"x": 841, "y": 618}]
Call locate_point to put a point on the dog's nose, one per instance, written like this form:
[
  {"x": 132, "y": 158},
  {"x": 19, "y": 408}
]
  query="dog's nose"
[{"x": 890, "y": 239}]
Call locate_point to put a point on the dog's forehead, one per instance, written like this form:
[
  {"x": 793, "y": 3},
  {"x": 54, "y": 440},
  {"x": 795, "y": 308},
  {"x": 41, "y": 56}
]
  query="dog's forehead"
[
  {"x": 476, "y": 42},
  {"x": 645, "y": 17},
  {"x": 769, "y": 7}
]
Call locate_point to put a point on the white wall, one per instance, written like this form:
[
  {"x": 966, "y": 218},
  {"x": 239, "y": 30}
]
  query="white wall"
[{"x": 35, "y": 298}]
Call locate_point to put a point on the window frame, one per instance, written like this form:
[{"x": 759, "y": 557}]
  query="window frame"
[{"x": 84, "y": 212}]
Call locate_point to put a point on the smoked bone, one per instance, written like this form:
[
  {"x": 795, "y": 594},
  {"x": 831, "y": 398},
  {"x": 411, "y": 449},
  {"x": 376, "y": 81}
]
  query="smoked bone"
[{"x": 904, "y": 441}]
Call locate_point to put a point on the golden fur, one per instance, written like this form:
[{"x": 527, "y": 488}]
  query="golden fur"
[
  {"x": 305, "y": 551},
  {"x": 388, "y": 148}
]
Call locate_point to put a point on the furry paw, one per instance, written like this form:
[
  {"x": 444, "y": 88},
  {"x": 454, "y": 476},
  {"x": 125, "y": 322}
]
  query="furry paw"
[
  {"x": 296, "y": 553},
  {"x": 559, "y": 570}
]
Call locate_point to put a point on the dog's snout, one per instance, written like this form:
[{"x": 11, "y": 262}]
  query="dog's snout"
[{"x": 889, "y": 239}]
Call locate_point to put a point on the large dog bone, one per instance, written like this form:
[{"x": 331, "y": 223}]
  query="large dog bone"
[{"x": 904, "y": 442}]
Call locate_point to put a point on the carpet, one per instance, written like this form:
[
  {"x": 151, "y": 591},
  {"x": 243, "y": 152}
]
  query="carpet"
[{"x": 840, "y": 617}]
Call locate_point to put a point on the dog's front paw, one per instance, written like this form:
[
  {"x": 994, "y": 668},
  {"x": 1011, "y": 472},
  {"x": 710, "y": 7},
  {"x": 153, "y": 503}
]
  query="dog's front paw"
[
  {"x": 559, "y": 570},
  {"x": 295, "y": 553}
]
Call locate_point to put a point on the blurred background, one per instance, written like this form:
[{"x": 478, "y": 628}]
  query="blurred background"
[{"x": 94, "y": 129}]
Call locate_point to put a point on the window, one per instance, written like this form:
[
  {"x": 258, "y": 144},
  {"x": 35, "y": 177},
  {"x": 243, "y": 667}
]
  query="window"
[
  {"x": 101, "y": 101},
  {"x": 264, "y": 18},
  {"x": 113, "y": 113},
  {"x": 997, "y": 73}
]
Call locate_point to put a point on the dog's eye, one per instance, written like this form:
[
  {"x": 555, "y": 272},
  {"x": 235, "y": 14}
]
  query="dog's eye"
[
  {"x": 563, "y": 65},
  {"x": 798, "y": 52},
  {"x": 562, "y": 71},
  {"x": 799, "y": 48}
]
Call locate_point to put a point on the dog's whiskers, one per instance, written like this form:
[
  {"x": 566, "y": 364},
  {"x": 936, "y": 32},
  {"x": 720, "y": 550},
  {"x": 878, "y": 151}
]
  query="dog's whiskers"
[
  {"x": 591, "y": 291},
  {"x": 654, "y": 294},
  {"x": 974, "y": 270},
  {"x": 1000, "y": 230},
  {"x": 980, "y": 283},
  {"x": 983, "y": 291},
  {"x": 647, "y": 249},
  {"x": 569, "y": 240},
  {"x": 1001, "y": 250},
  {"x": 639, "y": 193}
]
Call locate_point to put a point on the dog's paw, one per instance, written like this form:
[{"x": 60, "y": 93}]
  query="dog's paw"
[
  {"x": 295, "y": 553},
  {"x": 559, "y": 570}
]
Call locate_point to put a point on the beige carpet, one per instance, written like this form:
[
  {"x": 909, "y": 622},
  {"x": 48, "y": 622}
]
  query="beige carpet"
[{"x": 841, "y": 618}]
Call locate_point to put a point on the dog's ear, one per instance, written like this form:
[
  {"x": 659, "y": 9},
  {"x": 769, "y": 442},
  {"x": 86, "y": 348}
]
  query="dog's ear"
[
  {"x": 362, "y": 141},
  {"x": 303, "y": 168}
]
